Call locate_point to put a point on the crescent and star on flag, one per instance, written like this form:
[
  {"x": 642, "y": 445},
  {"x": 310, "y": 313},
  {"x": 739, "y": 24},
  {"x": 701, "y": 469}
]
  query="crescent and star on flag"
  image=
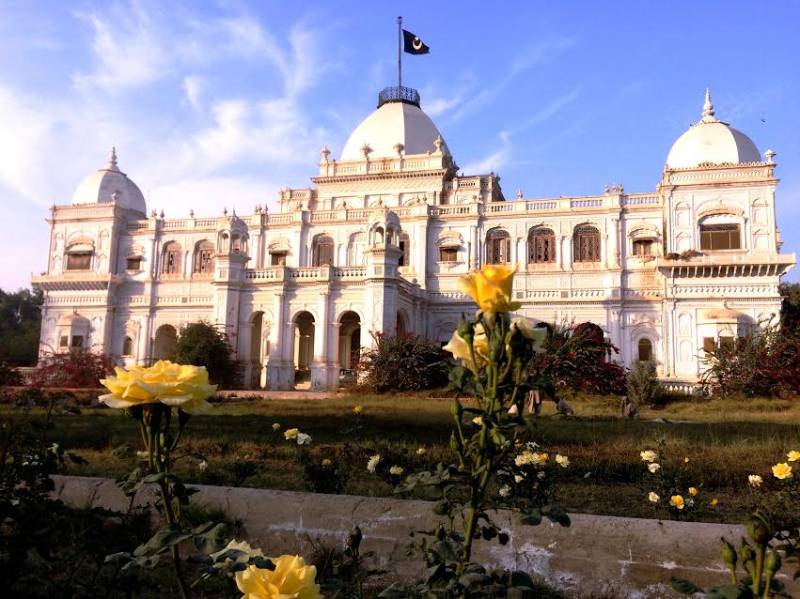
[{"x": 411, "y": 44}]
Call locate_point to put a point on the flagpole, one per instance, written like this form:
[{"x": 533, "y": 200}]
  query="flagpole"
[{"x": 399, "y": 52}]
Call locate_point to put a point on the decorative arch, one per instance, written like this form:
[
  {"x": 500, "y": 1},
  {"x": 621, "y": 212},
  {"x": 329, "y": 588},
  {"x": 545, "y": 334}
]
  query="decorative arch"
[
  {"x": 78, "y": 253},
  {"x": 586, "y": 243},
  {"x": 171, "y": 259},
  {"x": 164, "y": 343},
  {"x": 720, "y": 231},
  {"x": 498, "y": 246},
  {"x": 355, "y": 249},
  {"x": 541, "y": 245},
  {"x": 322, "y": 250},
  {"x": 203, "y": 258}
]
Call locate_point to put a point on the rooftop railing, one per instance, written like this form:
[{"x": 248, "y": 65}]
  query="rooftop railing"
[{"x": 398, "y": 94}]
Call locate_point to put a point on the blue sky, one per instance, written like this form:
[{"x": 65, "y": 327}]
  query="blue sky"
[{"x": 223, "y": 103}]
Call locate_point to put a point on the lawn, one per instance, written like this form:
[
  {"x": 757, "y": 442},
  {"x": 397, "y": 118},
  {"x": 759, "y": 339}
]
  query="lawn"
[{"x": 725, "y": 440}]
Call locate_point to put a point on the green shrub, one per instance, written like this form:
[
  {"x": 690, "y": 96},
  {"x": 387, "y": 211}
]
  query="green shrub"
[
  {"x": 403, "y": 363},
  {"x": 641, "y": 383},
  {"x": 202, "y": 344}
]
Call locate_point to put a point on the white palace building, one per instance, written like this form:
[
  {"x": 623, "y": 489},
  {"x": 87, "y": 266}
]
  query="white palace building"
[{"x": 379, "y": 239}]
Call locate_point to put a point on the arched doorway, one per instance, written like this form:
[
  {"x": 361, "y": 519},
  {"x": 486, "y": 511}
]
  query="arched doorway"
[
  {"x": 349, "y": 341},
  {"x": 645, "y": 350},
  {"x": 303, "y": 346},
  {"x": 256, "y": 365},
  {"x": 165, "y": 341}
]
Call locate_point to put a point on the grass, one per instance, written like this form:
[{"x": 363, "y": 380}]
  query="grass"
[{"x": 725, "y": 440}]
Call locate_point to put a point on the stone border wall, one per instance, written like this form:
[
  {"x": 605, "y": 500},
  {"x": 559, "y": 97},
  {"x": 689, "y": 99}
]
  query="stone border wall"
[{"x": 633, "y": 556}]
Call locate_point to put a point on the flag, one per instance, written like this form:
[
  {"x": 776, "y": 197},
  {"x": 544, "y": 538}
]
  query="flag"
[{"x": 413, "y": 45}]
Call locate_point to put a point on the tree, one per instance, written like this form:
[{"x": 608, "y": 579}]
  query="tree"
[
  {"x": 20, "y": 324},
  {"x": 790, "y": 308},
  {"x": 202, "y": 344}
]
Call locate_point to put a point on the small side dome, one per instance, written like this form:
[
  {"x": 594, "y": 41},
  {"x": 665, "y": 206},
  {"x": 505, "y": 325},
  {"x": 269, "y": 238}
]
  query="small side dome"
[
  {"x": 108, "y": 185},
  {"x": 711, "y": 141},
  {"x": 398, "y": 125}
]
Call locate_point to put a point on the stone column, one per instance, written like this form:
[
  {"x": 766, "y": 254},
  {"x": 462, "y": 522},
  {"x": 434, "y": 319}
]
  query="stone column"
[
  {"x": 276, "y": 377},
  {"x": 319, "y": 364}
]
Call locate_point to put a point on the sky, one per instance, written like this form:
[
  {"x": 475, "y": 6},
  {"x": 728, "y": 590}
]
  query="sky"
[{"x": 221, "y": 104}]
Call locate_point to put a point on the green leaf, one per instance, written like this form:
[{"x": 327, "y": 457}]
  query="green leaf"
[
  {"x": 210, "y": 539},
  {"x": 684, "y": 587},
  {"x": 165, "y": 537},
  {"x": 532, "y": 517},
  {"x": 557, "y": 514},
  {"x": 154, "y": 478}
]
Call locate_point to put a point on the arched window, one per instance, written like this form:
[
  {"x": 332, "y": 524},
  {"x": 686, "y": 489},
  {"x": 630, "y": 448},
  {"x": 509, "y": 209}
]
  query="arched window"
[
  {"x": 541, "y": 246},
  {"x": 498, "y": 247},
  {"x": 204, "y": 258},
  {"x": 322, "y": 251},
  {"x": 405, "y": 250},
  {"x": 722, "y": 236},
  {"x": 127, "y": 346},
  {"x": 586, "y": 244},
  {"x": 171, "y": 263},
  {"x": 79, "y": 256},
  {"x": 237, "y": 244},
  {"x": 645, "y": 350}
]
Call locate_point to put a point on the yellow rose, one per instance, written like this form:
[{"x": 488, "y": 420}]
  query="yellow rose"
[
  {"x": 326, "y": 463},
  {"x": 714, "y": 502},
  {"x": 648, "y": 455},
  {"x": 357, "y": 409},
  {"x": 794, "y": 456},
  {"x": 459, "y": 347},
  {"x": 782, "y": 471},
  {"x": 491, "y": 287},
  {"x": 677, "y": 502},
  {"x": 693, "y": 491},
  {"x": 291, "y": 579},
  {"x": 176, "y": 385},
  {"x": 291, "y": 434}
]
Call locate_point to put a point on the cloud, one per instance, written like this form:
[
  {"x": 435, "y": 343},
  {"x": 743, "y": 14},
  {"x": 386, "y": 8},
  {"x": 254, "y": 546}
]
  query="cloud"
[
  {"x": 550, "y": 110},
  {"x": 128, "y": 52},
  {"x": 193, "y": 87},
  {"x": 532, "y": 56},
  {"x": 497, "y": 159}
]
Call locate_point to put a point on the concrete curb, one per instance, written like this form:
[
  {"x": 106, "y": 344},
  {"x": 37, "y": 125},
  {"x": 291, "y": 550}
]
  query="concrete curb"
[{"x": 635, "y": 557}]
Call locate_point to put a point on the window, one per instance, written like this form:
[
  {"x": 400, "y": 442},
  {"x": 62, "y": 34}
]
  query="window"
[
  {"x": 720, "y": 237},
  {"x": 77, "y": 342},
  {"x": 237, "y": 245},
  {"x": 134, "y": 263},
  {"x": 63, "y": 341},
  {"x": 204, "y": 258},
  {"x": 586, "y": 244},
  {"x": 127, "y": 346},
  {"x": 323, "y": 251},
  {"x": 448, "y": 254},
  {"x": 541, "y": 246},
  {"x": 643, "y": 247},
  {"x": 278, "y": 259},
  {"x": 645, "y": 350},
  {"x": 498, "y": 247},
  {"x": 709, "y": 344},
  {"x": 172, "y": 259},
  {"x": 405, "y": 250},
  {"x": 79, "y": 260}
]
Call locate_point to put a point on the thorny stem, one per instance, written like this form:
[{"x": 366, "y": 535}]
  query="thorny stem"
[{"x": 158, "y": 456}]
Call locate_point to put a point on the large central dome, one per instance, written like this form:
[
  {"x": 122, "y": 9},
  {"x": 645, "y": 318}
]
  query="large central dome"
[
  {"x": 710, "y": 141},
  {"x": 397, "y": 120}
]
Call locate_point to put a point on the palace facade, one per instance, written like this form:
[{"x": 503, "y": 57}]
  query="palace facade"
[{"x": 379, "y": 239}]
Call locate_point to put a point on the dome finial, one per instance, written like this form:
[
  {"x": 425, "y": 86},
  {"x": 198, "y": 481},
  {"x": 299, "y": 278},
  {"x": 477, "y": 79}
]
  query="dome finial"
[
  {"x": 112, "y": 159},
  {"x": 708, "y": 107}
]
